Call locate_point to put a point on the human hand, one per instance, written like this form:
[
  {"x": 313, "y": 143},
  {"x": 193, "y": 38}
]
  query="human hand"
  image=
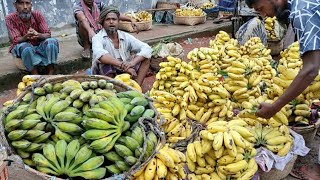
[
  {"x": 132, "y": 72},
  {"x": 127, "y": 65},
  {"x": 266, "y": 110},
  {"x": 33, "y": 34}
]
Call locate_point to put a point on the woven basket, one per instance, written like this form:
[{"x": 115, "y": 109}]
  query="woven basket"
[
  {"x": 308, "y": 132},
  {"x": 276, "y": 47},
  {"x": 146, "y": 124},
  {"x": 275, "y": 174},
  {"x": 167, "y": 5},
  {"x": 18, "y": 63},
  {"x": 189, "y": 20},
  {"x": 142, "y": 26}
]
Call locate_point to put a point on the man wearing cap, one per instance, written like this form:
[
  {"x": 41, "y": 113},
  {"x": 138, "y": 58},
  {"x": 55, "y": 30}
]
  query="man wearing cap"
[
  {"x": 113, "y": 49},
  {"x": 31, "y": 38},
  {"x": 86, "y": 13}
]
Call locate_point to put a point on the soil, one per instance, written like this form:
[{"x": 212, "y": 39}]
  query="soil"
[{"x": 309, "y": 161}]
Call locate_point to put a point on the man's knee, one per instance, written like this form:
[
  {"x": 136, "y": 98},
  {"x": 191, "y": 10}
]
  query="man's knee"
[
  {"x": 51, "y": 41},
  {"x": 146, "y": 62},
  {"x": 25, "y": 47}
]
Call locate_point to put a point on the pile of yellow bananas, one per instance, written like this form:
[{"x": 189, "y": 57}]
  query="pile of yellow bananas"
[
  {"x": 141, "y": 16},
  {"x": 190, "y": 12},
  {"x": 276, "y": 139},
  {"x": 301, "y": 111},
  {"x": 269, "y": 25},
  {"x": 207, "y": 5},
  {"x": 167, "y": 164},
  {"x": 224, "y": 151},
  {"x": 126, "y": 78}
]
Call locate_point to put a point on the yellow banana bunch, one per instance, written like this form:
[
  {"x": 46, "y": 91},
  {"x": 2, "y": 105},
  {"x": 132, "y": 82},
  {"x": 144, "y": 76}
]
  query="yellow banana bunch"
[
  {"x": 207, "y": 5},
  {"x": 301, "y": 112},
  {"x": 269, "y": 25},
  {"x": 141, "y": 16},
  {"x": 126, "y": 78},
  {"x": 167, "y": 164},
  {"x": 204, "y": 59},
  {"x": 253, "y": 48},
  {"x": 190, "y": 12},
  {"x": 176, "y": 129},
  {"x": 276, "y": 139},
  {"x": 27, "y": 80}
]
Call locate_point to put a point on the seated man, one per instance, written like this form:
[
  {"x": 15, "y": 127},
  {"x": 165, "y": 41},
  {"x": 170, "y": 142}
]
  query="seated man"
[
  {"x": 31, "y": 38},
  {"x": 112, "y": 50},
  {"x": 86, "y": 13}
]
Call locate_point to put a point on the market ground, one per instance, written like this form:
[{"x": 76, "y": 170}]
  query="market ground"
[{"x": 188, "y": 37}]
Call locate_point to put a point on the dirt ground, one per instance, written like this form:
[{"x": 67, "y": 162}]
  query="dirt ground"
[{"x": 310, "y": 161}]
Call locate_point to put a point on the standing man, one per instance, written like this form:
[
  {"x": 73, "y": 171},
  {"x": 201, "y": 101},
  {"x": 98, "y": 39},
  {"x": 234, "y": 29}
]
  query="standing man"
[
  {"x": 31, "y": 38},
  {"x": 113, "y": 49},
  {"x": 305, "y": 18},
  {"x": 86, "y": 13}
]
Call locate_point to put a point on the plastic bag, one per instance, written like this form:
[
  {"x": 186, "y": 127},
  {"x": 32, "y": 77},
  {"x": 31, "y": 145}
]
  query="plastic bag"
[
  {"x": 170, "y": 49},
  {"x": 253, "y": 28},
  {"x": 268, "y": 160}
]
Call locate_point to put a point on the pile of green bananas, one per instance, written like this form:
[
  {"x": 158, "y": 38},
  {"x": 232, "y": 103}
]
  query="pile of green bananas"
[
  {"x": 70, "y": 159},
  {"x": 136, "y": 105},
  {"x": 128, "y": 150},
  {"x": 91, "y": 112}
]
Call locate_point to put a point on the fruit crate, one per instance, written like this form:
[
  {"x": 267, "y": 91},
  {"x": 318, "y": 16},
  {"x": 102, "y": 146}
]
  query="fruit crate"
[
  {"x": 147, "y": 124},
  {"x": 189, "y": 20}
]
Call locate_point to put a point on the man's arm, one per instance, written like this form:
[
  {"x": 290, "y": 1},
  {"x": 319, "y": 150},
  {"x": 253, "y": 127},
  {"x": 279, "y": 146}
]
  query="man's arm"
[
  {"x": 44, "y": 31},
  {"x": 83, "y": 22},
  {"x": 14, "y": 34},
  {"x": 310, "y": 69}
]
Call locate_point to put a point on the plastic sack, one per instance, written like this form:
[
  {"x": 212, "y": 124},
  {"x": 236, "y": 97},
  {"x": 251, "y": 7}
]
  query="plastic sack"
[
  {"x": 268, "y": 160},
  {"x": 170, "y": 49},
  {"x": 253, "y": 28}
]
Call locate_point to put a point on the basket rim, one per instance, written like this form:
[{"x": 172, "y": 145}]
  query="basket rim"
[
  {"x": 310, "y": 127},
  {"x": 143, "y": 22},
  {"x": 205, "y": 14}
]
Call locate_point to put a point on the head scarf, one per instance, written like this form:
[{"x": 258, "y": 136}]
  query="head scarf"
[{"x": 105, "y": 11}]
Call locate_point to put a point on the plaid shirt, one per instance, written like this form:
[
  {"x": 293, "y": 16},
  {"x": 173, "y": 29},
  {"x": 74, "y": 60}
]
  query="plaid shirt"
[{"x": 17, "y": 28}]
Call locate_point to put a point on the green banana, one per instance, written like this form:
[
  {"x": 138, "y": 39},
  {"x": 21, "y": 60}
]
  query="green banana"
[
  {"x": 61, "y": 148},
  {"x": 110, "y": 145},
  {"x": 97, "y": 124},
  {"x": 122, "y": 150},
  {"x": 122, "y": 140},
  {"x": 90, "y": 164},
  {"x": 48, "y": 105},
  {"x": 138, "y": 110},
  {"x": 48, "y": 87},
  {"x": 58, "y": 107},
  {"x": 139, "y": 101},
  {"x": 27, "y": 97},
  {"x": 85, "y": 96},
  {"x": 77, "y": 120},
  {"x": 150, "y": 146},
  {"x": 85, "y": 107},
  {"x": 120, "y": 106},
  {"x": 125, "y": 126},
  {"x": 94, "y": 134},
  {"x": 93, "y": 100},
  {"x": 113, "y": 156},
  {"x": 63, "y": 96},
  {"x": 151, "y": 136},
  {"x": 137, "y": 134},
  {"x": 57, "y": 87},
  {"x": 106, "y": 93},
  {"x": 28, "y": 162},
  {"x": 85, "y": 85},
  {"x": 32, "y": 116},
  {"x": 102, "y": 83},
  {"x": 33, "y": 147},
  {"x": 50, "y": 153},
  {"x": 122, "y": 166},
  {"x": 17, "y": 134},
  {"x": 68, "y": 127},
  {"x": 28, "y": 124},
  {"x": 33, "y": 134},
  {"x": 47, "y": 170},
  {"x": 129, "y": 94},
  {"x": 40, "y": 104},
  {"x": 42, "y": 138},
  {"x": 97, "y": 173},
  {"x": 131, "y": 143},
  {"x": 39, "y": 91},
  {"x": 22, "y": 153},
  {"x": 83, "y": 155},
  {"x": 132, "y": 119},
  {"x": 72, "y": 150},
  {"x": 102, "y": 143},
  {"x": 128, "y": 133},
  {"x": 100, "y": 114},
  {"x": 40, "y": 160},
  {"x": 16, "y": 114},
  {"x": 138, "y": 152},
  {"x": 75, "y": 94},
  {"x": 65, "y": 116},
  {"x": 40, "y": 126},
  {"x": 72, "y": 109},
  {"x": 129, "y": 107},
  {"x": 130, "y": 160},
  {"x": 109, "y": 86},
  {"x": 148, "y": 113},
  {"x": 21, "y": 144},
  {"x": 113, "y": 169},
  {"x": 54, "y": 138},
  {"x": 30, "y": 111},
  {"x": 62, "y": 135},
  {"x": 77, "y": 103},
  {"x": 13, "y": 124},
  {"x": 125, "y": 100},
  {"x": 93, "y": 84}
]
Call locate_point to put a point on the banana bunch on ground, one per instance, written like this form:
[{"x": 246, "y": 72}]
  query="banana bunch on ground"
[
  {"x": 255, "y": 49},
  {"x": 301, "y": 112},
  {"x": 70, "y": 159},
  {"x": 141, "y": 16},
  {"x": 204, "y": 60},
  {"x": 177, "y": 129},
  {"x": 167, "y": 164},
  {"x": 136, "y": 105},
  {"x": 276, "y": 139},
  {"x": 207, "y": 5},
  {"x": 105, "y": 124},
  {"x": 126, "y": 78},
  {"x": 224, "y": 151},
  {"x": 190, "y": 12},
  {"x": 269, "y": 25},
  {"x": 128, "y": 149},
  {"x": 220, "y": 39}
]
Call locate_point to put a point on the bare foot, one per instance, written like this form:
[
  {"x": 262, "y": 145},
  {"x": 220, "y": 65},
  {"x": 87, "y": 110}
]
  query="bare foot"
[{"x": 86, "y": 54}]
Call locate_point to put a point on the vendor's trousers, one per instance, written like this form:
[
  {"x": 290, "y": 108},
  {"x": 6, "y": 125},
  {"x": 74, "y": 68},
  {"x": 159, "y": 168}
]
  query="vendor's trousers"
[{"x": 44, "y": 54}]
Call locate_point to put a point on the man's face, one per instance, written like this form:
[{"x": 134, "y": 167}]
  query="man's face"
[
  {"x": 23, "y": 7},
  {"x": 272, "y": 8},
  {"x": 111, "y": 23},
  {"x": 88, "y": 2}
]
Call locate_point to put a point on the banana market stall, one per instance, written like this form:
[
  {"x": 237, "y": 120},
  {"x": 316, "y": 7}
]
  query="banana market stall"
[{"x": 197, "y": 122}]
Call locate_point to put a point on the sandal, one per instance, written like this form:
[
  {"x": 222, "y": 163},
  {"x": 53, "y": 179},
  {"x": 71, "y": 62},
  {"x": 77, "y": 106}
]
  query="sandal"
[{"x": 86, "y": 54}]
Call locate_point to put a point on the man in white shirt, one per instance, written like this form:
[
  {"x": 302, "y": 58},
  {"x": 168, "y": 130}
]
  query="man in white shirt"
[{"x": 113, "y": 49}]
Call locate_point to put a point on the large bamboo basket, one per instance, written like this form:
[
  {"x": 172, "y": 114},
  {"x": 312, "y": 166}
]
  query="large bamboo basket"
[
  {"x": 142, "y": 26},
  {"x": 308, "y": 132},
  {"x": 166, "y": 5},
  {"x": 189, "y": 20},
  {"x": 275, "y": 174},
  {"x": 146, "y": 124}
]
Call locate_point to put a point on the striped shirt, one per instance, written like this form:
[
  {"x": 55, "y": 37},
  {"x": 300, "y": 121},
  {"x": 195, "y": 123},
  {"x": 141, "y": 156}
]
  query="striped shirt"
[
  {"x": 305, "y": 19},
  {"x": 17, "y": 28}
]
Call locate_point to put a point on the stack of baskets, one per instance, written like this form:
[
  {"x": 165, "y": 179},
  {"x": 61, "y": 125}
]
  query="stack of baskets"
[{"x": 189, "y": 20}]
